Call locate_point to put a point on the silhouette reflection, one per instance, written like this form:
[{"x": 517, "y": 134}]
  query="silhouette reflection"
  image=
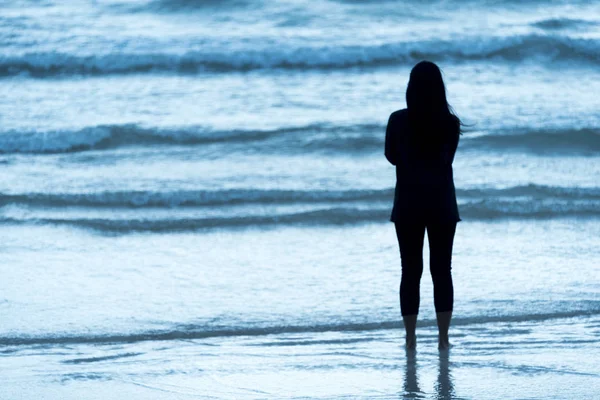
[
  {"x": 411, "y": 382},
  {"x": 443, "y": 389}
]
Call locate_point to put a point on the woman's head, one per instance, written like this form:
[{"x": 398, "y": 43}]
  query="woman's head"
[
  {"x": 426, "y": 93},
  {"x": 426, "y": 100}
]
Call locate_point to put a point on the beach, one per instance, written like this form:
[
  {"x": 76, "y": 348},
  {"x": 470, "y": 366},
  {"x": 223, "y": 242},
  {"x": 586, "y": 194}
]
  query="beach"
[{"x": 195, "y": 201}]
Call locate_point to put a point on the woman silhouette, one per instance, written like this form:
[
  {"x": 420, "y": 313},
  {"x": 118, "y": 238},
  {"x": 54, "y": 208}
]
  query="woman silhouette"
[{"x": 421, "y": 141}]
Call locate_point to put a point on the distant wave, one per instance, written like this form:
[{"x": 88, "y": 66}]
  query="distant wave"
[
  {"x": 324, "y": 137},
  {"x": 499, "y": 208},
  {"x": 191, "y": 5},
  {"x": 105, "y": 137},
  {"x": 88, "y": 360},
  {"x": 580, "y": 141},
  {"x": 513, "y": 48},
  {"x": 535, "y": 192},
  {"x": 114, "y": 136},
  {"x": 195, "y": 198},
  {"x": 188, "y": 332},
  {"x": 201, "y": 5},
  {"x": 564, "y": 23},
  {"x": 478, "y": 209},
  {"x": 329, "y": 216},
  {"x": 265, "y": 197}
]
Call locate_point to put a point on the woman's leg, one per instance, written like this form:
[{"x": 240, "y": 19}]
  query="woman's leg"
[
  {"x": 410, "y": 240},
  {"x": 441, "y": 239}
]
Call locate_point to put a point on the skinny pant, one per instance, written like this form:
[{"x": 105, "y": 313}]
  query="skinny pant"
[{"x": 410, "y": 239}]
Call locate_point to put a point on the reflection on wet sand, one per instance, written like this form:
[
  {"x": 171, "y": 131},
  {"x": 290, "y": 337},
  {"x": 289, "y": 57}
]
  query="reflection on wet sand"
[
  {"x": 443, "y": 389},
  {"x": 411, "y": 382}
]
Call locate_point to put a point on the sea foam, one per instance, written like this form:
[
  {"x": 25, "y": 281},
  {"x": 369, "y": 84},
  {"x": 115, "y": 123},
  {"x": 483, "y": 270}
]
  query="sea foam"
[
  {"x": 343, "y": 139},
  {"x": 299, "y": 57}
]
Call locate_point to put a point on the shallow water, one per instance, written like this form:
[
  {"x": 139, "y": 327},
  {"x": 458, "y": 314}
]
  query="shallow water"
[{"x": 320, "y": 324}]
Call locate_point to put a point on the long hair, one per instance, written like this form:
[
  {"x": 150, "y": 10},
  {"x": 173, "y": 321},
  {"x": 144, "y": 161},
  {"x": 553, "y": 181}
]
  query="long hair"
[{"x": 431, "y": 118}]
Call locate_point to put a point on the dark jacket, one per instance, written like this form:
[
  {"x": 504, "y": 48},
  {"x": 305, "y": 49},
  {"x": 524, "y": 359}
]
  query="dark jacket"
[{"x": 424, "y": 179}]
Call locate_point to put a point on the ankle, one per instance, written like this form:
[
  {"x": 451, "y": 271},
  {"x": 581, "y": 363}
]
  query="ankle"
[{"x": 411, "y": 342}]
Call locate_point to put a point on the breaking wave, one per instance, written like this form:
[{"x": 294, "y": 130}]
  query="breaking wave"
[
  {"x": 191, "y": 331},
  {"x": 265, "y": 197},
  {"x": 293, "y": 57},
  {"x": 193, "y": 198},
  {"x": 582, "y": 141},
  {"x": 343, "y": 214},
  {"x": 564, "y": 23},
  {"x": 324, "y": 137}
]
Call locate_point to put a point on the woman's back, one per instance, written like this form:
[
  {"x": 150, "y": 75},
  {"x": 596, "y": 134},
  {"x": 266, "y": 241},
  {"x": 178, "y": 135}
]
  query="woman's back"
[{"x": 424, "y": 176}]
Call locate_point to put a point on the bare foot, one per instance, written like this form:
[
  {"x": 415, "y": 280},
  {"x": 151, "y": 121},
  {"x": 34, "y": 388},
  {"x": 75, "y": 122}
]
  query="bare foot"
[
  {"x": 443, "y": 344},
  {"x": 411, "y": 343},
  {"x": 410, "y": 325},
  {"x": 443, "y": 322}
]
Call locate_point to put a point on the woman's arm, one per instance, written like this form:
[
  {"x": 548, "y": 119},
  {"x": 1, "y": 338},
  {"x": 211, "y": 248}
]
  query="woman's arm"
[
  {"x": 453, "y": 145},
  {"x": 391, "y": 141}
]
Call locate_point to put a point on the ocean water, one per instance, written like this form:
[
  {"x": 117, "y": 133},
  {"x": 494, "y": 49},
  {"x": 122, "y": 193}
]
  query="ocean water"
[{"x": 194, "y": 200}]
